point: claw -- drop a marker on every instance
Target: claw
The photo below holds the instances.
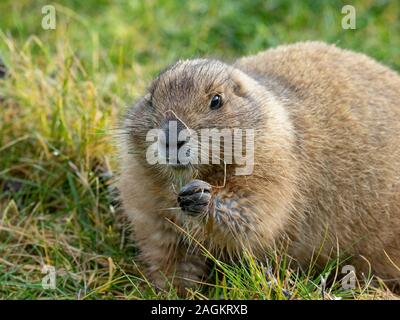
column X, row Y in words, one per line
column 195, row 186
column 195, row 197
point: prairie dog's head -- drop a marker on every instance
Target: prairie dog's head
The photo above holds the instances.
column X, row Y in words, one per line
column 171, row 120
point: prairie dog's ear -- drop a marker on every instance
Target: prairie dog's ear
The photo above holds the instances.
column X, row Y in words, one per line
column 240, row 82
column 147, row 97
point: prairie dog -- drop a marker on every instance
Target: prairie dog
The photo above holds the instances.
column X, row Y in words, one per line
column 326, row 175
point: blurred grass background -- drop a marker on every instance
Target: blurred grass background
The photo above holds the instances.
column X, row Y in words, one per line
column 63, row 95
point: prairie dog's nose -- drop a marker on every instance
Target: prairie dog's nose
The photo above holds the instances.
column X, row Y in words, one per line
column 171, row 129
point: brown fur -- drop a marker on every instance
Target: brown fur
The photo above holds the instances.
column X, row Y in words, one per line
column 327, row 162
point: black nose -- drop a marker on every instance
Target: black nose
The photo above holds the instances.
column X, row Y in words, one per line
column 179, row 144
column 172, row 128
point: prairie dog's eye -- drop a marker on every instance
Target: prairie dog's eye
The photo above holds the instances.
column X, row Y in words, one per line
column 216, row 102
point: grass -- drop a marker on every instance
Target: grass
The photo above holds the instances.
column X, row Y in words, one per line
column 64, row 93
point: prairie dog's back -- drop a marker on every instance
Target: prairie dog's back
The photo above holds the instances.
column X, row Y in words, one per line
column 345, row 108
column 318, row 73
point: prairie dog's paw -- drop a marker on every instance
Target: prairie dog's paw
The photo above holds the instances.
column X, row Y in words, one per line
column 195, row 197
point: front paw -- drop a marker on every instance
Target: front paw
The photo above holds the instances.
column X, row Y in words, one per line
column 195, row 197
